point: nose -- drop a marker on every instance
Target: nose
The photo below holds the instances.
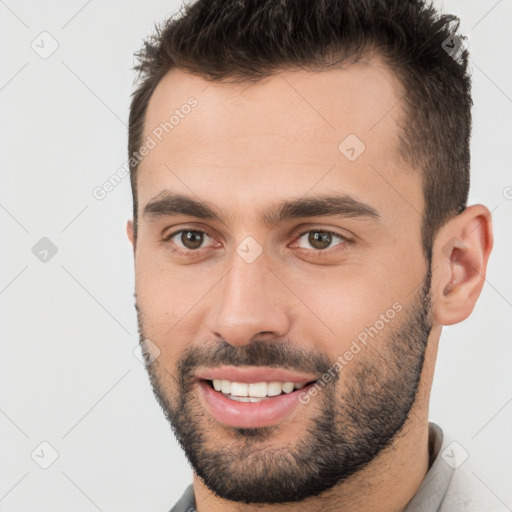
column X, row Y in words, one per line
column 251, row 303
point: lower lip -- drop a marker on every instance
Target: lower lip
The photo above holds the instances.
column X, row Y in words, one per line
column 250, row 414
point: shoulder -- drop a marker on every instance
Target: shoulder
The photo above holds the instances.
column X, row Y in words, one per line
column 187, row 501
column 451, row 484
column 468, row 492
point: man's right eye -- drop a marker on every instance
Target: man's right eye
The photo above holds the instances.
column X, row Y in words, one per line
column 187, row 240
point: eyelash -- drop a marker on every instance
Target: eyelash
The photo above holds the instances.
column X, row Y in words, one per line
column 313, row 252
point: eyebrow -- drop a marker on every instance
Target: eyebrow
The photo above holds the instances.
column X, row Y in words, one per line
column 168, row 204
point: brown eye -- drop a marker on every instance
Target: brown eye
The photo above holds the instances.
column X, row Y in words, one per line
column 185, row 240
column 320, row 239
column 192, row 239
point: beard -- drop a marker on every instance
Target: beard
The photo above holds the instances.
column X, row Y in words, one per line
column 348, row 429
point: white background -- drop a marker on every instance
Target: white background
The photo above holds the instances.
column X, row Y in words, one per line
column 68, row 372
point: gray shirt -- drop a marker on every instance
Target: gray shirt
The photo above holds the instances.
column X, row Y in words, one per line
column 447, row 486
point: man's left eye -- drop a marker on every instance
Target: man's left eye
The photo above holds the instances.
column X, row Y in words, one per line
column 321, row 239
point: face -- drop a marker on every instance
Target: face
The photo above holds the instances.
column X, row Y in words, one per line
column 275, row 256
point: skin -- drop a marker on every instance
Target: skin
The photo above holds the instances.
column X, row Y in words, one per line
column 245, row 147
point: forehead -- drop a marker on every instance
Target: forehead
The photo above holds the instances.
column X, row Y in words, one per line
column 282, row 136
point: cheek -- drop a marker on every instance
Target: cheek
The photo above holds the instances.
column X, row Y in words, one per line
column 161, row 324
column 167, row 301
column 163, row 292
column 357, row 305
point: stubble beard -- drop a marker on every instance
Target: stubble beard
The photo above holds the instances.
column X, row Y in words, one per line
column 346, row 432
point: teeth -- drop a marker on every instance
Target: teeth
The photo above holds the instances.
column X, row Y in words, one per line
column 288, row 387
column 240, row 389
column 247, row 398
column 257, row 389
column 274, row 388
column 244, row 392
column 225, row 386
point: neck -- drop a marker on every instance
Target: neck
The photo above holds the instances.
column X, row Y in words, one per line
column 387, row 484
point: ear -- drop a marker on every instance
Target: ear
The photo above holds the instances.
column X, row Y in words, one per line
column 459, row 261
column 129, row 232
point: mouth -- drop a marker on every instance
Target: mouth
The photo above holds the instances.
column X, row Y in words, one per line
column 254, row 392
column 251, row 404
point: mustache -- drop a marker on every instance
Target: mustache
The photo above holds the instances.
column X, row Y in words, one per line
column 282, row 354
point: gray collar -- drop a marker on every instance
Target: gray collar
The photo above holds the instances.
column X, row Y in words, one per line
column 430, row 495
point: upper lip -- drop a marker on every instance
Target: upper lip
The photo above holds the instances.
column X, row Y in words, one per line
column 254, row 374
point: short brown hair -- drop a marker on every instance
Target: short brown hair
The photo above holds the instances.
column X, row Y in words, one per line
column 247, row 40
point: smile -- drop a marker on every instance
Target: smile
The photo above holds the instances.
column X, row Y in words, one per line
column 250, row 405
column 254, row 392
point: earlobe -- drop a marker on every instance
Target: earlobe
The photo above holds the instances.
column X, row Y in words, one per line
column 460, row 257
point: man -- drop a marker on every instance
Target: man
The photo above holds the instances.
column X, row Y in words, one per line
column 300, row 173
